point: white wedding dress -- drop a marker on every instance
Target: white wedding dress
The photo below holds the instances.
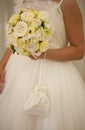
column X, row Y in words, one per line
column 66, row 89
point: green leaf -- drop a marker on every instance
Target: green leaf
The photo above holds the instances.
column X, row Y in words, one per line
column 43, row 24
column 12, row 48
column 21, row 12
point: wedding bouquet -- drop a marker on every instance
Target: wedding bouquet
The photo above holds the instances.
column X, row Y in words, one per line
column 29, row 32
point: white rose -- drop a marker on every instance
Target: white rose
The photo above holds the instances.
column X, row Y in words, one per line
column 10, row 39
column 38, row 35
column 24, row 38
column 27, row 16
column 20, row 29
column 32, row 47
column 36, row 23
column 30, row 36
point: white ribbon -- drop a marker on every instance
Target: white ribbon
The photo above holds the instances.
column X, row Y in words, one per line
column 38, row 103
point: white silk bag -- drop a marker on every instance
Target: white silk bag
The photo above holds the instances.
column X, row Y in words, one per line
column 38, row 103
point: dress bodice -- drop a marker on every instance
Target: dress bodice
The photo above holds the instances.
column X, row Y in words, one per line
column 55, row 17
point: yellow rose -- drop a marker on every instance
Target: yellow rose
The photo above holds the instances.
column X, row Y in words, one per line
column 14, row 19
column 35, row 12
column 19, row 43
column 26, row 53
column 43, row 46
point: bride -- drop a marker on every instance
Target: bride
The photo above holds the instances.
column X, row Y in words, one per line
column 60, row 104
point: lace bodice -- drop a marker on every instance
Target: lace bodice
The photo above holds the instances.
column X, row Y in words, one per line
column 55, row 17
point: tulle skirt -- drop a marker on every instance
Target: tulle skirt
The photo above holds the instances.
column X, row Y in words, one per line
column 66, row 91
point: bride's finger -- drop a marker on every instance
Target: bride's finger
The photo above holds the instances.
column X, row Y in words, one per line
column 33, row 58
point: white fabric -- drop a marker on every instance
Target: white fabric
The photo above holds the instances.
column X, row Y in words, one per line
column 18, row 5
column 66, row 89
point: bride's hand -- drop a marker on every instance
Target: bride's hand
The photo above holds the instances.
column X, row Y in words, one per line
column 2, row 77
column 39, row 57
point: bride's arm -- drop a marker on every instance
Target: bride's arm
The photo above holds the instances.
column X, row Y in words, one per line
column 5, row 58
column 3, row 63
column 74, row 30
